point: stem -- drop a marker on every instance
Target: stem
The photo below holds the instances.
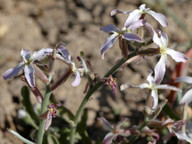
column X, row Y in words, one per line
column 91, row 91
column 43, row 110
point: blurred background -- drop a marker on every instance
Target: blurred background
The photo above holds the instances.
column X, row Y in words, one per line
column 37, row 24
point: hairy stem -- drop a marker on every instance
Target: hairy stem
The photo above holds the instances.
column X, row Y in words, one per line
column 43, row 110
column 91, row 91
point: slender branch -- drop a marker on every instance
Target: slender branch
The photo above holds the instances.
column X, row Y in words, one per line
column 91, row 91
column 43, row 110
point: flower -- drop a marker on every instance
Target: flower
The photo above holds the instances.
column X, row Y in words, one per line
column 114, row 131
column 162, row 42
column 66, row 57
column 125, row 33
column 112, row 83
column 175, row 128
column 154, row 88
column 27, row 65
column 137, row 14
column 49, row 114
column 187, row 98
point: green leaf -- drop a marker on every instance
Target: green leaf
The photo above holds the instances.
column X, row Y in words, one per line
column 27, row 104
column 20, row 137
column 169, row 111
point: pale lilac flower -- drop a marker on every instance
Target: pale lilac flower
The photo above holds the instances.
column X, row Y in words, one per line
column 162, row 42
column 114, row 131
column 27, row 65
column 137, row 14
column 175, row 128
column 66, row 57
column 125, row 33
column 154, row 88
column 49, row 114
column 187, row 98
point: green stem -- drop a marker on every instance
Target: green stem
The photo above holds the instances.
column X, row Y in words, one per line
column 91, row 91
column 43, row 110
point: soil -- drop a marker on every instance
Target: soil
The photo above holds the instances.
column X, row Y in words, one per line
column 40, row 24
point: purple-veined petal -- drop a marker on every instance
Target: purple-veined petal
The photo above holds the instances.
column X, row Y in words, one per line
column 182, row 136
column 64, row 52
column 137, row 24
column 160, row 69
column 159, row 17
column 156, row 39
column 131, row 36
column 186, row 79
column 106, row 124
column 133, row 17
column 150, row 28
column 29, row 75
column 143, row 85
column 177, row 56
column 77, row 80
column 48, row 121
column 41, row 53
column 108, row 139
column 154, row 94
column 13, row 71
column 116, row 11
column 119, row 124
column 108, row 44
column 187, row 98
column 110, row 28
column 25, row 55
column 168, row 87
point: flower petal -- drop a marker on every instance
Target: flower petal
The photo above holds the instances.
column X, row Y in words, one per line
column 13, row 71
column 119, row 124
column 110, row 28
column 137, row 24
column 168, row 87
column 25, row 55
column 116, row 11
column 131, row 36
column 41, row 53
column 106, row 124
column 108, row 44
column 77, row 80
column 186, row 79
column 109, row 138
column 182, row 136
column 133, row 17
column 160, row 69
column 154, row 94
column 64, row 52
column 150, row 79
column 177, row 56
column 29, row 75
column 187, row 98
column 159, row 17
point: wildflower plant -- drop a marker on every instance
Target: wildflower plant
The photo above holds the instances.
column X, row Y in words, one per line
column 42, row 63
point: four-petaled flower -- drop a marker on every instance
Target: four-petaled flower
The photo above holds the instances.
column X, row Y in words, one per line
column 175, row 128
column 125, row 33
column 49, row 114
column 115, row 131
column 137, row 14
column 27, row 65
column 66, row 57
column 154, row 88
column 162, row 42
